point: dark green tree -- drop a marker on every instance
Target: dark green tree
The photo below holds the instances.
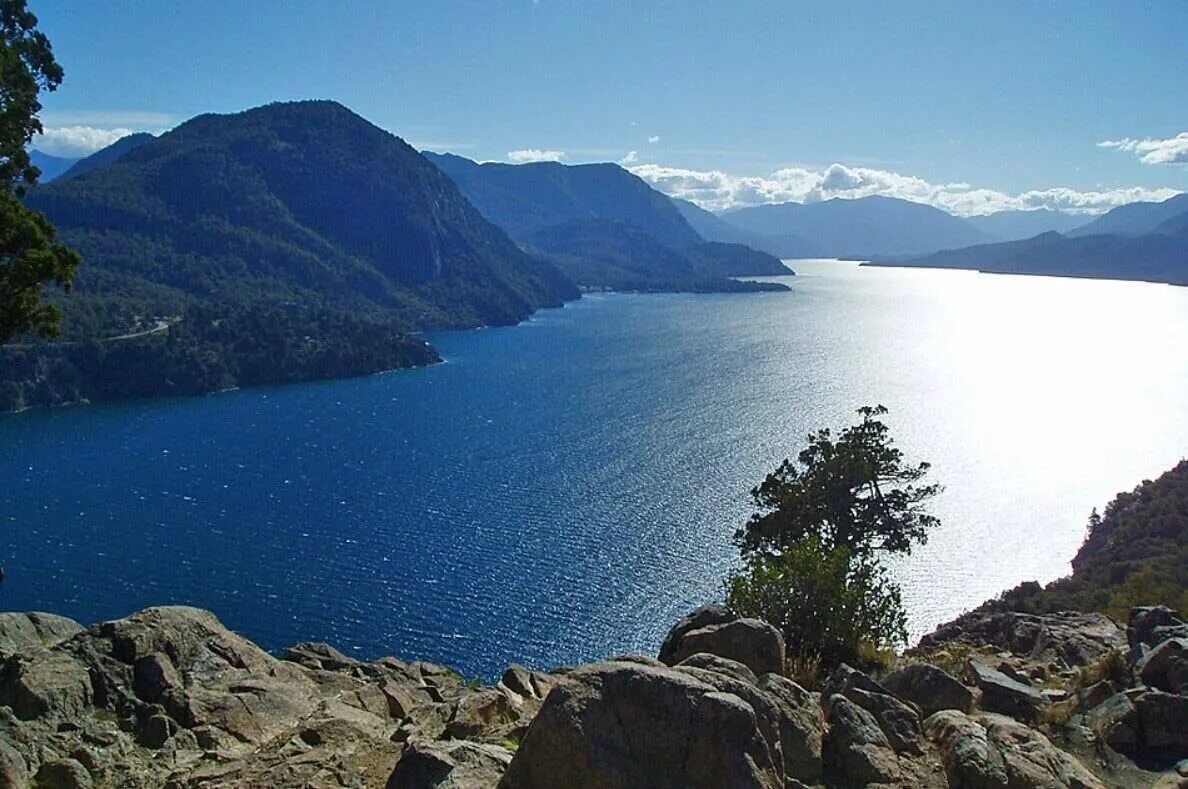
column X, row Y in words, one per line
column 854, row 491
column 811, row 554
column 30, row 257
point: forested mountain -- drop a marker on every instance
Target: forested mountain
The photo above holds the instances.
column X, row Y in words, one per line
column 1015, row 225
column 304, row 212
column 1135, row 218
column 712, row 227
column 1154, row 257
column 604, row 227
column 601, row 253
column 860, row 227
column 109, row 154
column 524, row 198
column 51, row 166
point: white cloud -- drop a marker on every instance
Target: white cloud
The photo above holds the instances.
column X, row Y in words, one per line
column 654, row 138
column 1173, row 150
column 76, row 141
column 717, row 190
column 632, row 157
column 525, row 155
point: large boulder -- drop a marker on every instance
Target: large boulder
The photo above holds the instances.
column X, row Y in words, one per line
column 624, row 724
column 1165, row 666
column 995, row 752
column 1002, row 694
column 1067, row 638
column 1149, row 726
column 857, row 749
column 929, row 688
column 449, row 764
column 714, row 630
column 1152, row 625
column 33, row 631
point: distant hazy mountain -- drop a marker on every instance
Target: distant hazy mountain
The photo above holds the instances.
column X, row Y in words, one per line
column 712, row 227
column 1135, row 218
column 861, row 227
column 603, row 226
column 1014, row 225
column 51, row 166
column 1153, row 257
column 524, row 198
column 286, row 242
column 605, row 254
column 109, row 154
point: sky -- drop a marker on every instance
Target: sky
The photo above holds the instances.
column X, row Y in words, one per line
column 973, row 107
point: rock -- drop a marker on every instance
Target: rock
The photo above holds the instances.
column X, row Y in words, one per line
column 929, row 688
column 623, row 724
column 1147, row 726
column 153, row 676
column 481, row 712
column 157, row 730
column 45, row 685
column 730, row 668
column 33, row 631
column 1165, row 666
column 899, row 722
column 63, row 774
column 449, row 764
column 1002, row 694
column 755, row 644
column 318, row 656
column 1095, row 694
column 845, row 677
column 992, row 751
column 14, row 773
column 1065, row 638
column 856, row 748
column 712, row 614
column 1150, row 625
column 801, row 727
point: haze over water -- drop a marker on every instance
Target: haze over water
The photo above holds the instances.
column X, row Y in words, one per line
column 563, row 490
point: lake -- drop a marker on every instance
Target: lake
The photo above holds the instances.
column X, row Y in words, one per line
column 563, row 490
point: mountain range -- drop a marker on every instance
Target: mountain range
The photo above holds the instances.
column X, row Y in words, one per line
column 1140, row 241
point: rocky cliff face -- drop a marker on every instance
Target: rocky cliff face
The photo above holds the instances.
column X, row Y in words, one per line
column 169, row 697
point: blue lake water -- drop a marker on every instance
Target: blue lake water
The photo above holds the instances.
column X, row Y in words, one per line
column 565, row 489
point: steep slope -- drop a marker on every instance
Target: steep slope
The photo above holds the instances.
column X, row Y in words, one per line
column 712, row 227
column 525, row 198
column 51, row 166
column 1154, row 257
column 303, row 200
column 109, row 154
column 603, row 254
column 1134, row 218
column 860, row 227
column 287, row 242
column 1015, row 225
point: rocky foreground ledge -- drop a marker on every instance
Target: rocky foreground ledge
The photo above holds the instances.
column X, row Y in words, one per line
column 169, row 697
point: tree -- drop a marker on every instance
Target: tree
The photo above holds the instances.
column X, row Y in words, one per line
column 30, row 257
column 811, row 553
column 855, row 491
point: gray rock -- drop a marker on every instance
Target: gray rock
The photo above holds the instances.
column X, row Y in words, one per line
column 318, row 656
column 1065, row 638
column 1149, row 625
column 801, row 727
column 755, row 644
column 899, row 722
column 480, row 712
column 995, row 752
column 154, row 676
column 34, row 631
column 730, row 668
column 845, row 677
column 449, row 764
column 1165, row 666
column 1002, row 694
column 712, row 614
column 1145, row 725
column 63, row 774
column 46, row 684
column 856, row 747
column 623, row 724
column 929, row 688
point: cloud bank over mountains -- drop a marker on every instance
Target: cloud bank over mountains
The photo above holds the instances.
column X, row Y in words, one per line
column 526, row 155
column 76, row 141
column 716, row 190
column 1173, row 150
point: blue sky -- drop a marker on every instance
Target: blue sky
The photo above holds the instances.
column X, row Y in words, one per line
column 968, row 106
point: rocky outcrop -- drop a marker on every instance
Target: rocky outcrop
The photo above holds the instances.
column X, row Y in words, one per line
column 1065, row 639
column 170, row 697
column 931, row 689
column 712, row 629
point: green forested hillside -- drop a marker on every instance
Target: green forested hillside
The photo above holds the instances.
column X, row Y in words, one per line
column 259, row 221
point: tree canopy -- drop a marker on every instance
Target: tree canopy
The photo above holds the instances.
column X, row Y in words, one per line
column 811, row 553
column 852, row 491
column 30, row 257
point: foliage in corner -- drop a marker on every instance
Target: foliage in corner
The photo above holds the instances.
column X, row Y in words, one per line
column 30, row 257
column 811, row 554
